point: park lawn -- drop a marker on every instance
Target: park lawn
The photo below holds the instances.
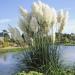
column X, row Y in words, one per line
column 10, row 49
column 69, row 44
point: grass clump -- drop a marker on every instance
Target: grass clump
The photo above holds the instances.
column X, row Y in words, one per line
column 43, row 57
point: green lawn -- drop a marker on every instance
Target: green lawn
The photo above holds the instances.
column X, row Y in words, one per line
column 10, row 49
column 69, row 44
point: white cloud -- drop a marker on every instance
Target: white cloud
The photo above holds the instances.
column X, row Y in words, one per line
column 2, row 21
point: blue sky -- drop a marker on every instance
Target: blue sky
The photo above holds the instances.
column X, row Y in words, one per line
column 9, row 11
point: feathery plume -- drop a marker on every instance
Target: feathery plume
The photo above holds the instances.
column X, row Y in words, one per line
column 23, row 11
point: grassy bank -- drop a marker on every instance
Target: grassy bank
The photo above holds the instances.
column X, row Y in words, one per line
column 10, row 49
column 69, row 44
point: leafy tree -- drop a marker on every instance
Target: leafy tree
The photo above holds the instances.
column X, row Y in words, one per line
column 6, row 38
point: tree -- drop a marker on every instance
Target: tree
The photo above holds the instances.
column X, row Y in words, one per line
column 6, row 38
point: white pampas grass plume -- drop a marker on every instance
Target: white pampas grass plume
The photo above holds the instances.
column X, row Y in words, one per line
column 11, row 30
column 47, row 11
column 66, row 16
column 60, row 15
column 54, row 18
column 42, row 19
column 34, row 24
column 15, row 34
column 23, row 11
column 63, row 21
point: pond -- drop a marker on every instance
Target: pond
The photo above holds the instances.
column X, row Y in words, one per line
column 9, row 61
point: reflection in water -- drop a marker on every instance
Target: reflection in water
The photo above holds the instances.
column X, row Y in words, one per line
column 8, row 64
column 6, row 59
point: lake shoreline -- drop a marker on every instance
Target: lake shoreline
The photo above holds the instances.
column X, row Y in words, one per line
column 15, row 49
column 11, row 49
column 68, row 44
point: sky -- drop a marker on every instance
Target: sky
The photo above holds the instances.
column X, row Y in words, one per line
column 9, row 11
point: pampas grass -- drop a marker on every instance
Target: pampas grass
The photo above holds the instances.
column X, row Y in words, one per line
column 36, row 24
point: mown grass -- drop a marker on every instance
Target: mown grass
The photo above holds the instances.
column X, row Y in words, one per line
column 11, row 49
column 69, row 44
